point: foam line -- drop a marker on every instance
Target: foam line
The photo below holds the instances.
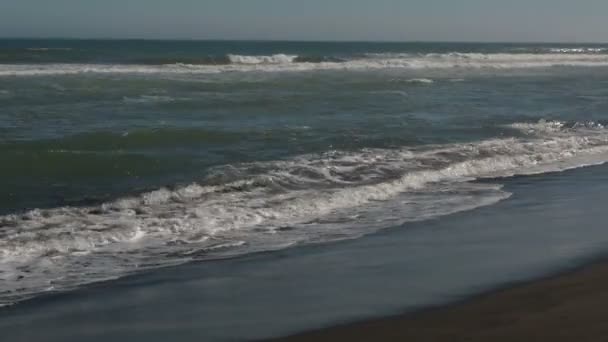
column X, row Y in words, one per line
column 268, row 205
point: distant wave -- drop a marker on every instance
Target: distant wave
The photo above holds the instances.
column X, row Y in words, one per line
column 420, row 81
column 239, row 60
column 284, row 62
column 274, row 59
column 579, row 50
column 200, row 60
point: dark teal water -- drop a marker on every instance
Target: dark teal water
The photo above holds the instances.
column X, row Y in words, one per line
column 122, row 156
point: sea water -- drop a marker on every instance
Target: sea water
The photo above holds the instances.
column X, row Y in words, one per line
column 119, row 157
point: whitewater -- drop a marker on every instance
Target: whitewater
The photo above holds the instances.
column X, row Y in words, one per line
column 276, row 204
column 122, row 157
column 294, row 63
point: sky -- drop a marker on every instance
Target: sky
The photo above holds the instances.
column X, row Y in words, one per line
column 365, row 20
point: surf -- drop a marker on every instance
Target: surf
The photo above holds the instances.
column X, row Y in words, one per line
column 295, row 63
column 248, row 207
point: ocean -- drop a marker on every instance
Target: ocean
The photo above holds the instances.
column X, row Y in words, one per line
column 120, row 158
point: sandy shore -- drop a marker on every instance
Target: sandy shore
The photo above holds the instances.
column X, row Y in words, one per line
column 569, row 307
column 551, row 225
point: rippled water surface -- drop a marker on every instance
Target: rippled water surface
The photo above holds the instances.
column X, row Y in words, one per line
column 122, row 156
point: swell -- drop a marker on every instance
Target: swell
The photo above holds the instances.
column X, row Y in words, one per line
column 268, row 205
column 285, row 62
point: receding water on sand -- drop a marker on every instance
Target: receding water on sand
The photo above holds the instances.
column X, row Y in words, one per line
column 551, row 223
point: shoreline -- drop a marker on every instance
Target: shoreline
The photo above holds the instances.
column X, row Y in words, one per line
column 567, row 306
column 427, row 268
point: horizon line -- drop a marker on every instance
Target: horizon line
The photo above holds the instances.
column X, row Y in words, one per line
column 300, row 40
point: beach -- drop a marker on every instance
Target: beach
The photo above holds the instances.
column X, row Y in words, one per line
column 230, row 190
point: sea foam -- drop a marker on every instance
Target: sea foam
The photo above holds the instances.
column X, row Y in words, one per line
column 274, row 59
column 292, row 63
column 268, row 205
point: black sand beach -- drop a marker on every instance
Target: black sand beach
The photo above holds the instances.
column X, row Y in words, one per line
column 551, row 224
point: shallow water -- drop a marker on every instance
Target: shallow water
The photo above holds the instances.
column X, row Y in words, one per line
column 553, row 222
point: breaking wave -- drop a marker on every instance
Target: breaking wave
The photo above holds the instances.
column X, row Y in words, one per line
column 270, row 205
column 274, row 59
column 420, row 81
column 284, row 62
column 579, row 50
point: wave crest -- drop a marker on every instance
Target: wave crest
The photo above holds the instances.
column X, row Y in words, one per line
column 579, row 50
column 274, row 59
column 269, row 205
column 294, row 63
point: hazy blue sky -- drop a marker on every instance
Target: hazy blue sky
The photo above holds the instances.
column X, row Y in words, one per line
column 471, row 20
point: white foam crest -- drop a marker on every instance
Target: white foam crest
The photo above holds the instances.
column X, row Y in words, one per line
column 420, row 81
column 274, row 59
column 578, row 50
column 542, row 126
column 553, row 127
column 317, row 197
column 286, row 63
column 490, row 61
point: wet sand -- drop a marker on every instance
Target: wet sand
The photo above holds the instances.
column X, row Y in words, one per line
column 568, row 307
column 551, row 225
